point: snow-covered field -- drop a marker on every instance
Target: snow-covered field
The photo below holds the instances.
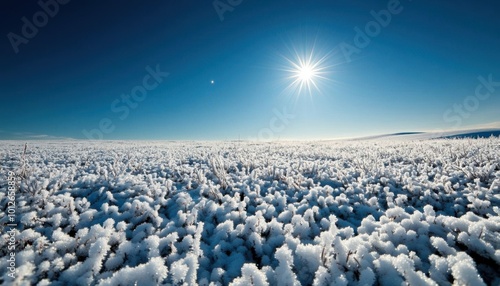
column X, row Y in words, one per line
column 285, row 213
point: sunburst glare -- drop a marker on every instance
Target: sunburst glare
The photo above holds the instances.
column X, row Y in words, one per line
column 305, row 71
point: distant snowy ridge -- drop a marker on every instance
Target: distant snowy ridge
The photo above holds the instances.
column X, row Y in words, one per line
column 469, row 133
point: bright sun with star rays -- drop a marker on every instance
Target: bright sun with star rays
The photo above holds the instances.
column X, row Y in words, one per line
column 306, row 71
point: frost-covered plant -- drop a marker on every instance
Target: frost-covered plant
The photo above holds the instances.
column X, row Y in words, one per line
column 219, row 170
column 24, row 168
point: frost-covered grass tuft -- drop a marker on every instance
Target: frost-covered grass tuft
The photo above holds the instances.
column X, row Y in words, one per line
column 289, row 213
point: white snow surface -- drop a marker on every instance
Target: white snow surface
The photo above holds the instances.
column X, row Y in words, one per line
column 373, row 212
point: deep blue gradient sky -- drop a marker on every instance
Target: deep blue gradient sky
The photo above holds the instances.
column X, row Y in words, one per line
column 415, row 75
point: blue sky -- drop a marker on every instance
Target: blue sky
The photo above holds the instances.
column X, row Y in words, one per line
column 418, row 72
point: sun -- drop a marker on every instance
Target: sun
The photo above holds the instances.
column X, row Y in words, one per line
column 305, row 71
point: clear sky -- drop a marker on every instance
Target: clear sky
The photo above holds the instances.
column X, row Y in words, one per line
column 388, row 67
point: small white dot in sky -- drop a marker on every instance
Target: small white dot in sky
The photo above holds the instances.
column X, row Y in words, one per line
column 212, row 81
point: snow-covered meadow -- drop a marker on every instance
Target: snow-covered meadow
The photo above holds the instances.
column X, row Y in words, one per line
column 284, row 213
